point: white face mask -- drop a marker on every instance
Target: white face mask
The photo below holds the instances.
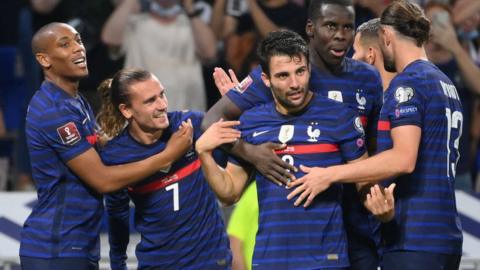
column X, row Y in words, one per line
column 165, row 11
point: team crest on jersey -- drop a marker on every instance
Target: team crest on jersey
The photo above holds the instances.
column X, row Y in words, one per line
column 404, row 94
column 335, row 95
column 361, row 100
column 69, row 133
column 313, row 134
column 244, row 84
column 358, row 125
column 286, row 133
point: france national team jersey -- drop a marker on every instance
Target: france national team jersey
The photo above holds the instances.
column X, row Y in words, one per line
column 426, row 217
column 65, row 222
column 360, row 87
column 176, row 212
column 292, row 237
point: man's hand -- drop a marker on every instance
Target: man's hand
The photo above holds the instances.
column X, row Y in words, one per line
column 310, row 185
column 268, row 163
column 223, row 81
column 218, row 133
column 381, row 204
column 181, row 140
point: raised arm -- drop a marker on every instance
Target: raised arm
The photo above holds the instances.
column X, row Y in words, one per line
column 227, row 184
column 113, row 30
column 104, row 179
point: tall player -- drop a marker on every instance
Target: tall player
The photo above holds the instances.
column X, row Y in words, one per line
column 176, row 213
column 420, row 127
column 330, row 29
column 291, row 237
column 63, row 230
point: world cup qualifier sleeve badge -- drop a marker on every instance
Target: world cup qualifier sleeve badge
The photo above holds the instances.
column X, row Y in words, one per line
column 69, row 133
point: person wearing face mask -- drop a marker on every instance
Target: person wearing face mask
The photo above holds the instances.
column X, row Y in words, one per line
column 168, row 34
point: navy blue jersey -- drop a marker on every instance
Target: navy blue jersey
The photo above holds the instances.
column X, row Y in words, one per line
column 292, row 237
column 65, row 222
column 426, row 216
column 360, row 87
column 176, row 213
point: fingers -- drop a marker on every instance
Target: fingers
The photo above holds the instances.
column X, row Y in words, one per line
column 233, row 77
column 305, row 169
column 302, row 196
column 296, row 191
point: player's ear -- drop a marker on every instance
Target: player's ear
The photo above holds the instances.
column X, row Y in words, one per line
column 266, row 79
column 371, row 55
column 310, row 28
column 43, row 60
column 125, row 111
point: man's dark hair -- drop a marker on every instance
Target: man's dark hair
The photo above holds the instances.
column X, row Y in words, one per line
column 369, row 30
column 315, row 7
column 280, row 43
column 407, row 19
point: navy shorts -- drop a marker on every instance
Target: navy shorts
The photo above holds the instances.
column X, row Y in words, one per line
column 414, row 260
column 30, row 263
column 363, row 254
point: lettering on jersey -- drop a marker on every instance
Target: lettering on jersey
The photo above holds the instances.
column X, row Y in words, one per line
column 313, row 134
column 244, row 84
column 404, row 94
column 361, row 100
column 450, row 90
column 335, row 95
column 358, row 125
column 69, row 133
column 405, row 110
column 286, row 133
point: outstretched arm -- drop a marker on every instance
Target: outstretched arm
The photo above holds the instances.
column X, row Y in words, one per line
column 104, row 179
column 398, row 160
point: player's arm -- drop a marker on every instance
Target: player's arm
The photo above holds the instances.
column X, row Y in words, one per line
column 227, row 184
column 261, row 156
column 118, row 228
column 104, row 179
column 398, row 160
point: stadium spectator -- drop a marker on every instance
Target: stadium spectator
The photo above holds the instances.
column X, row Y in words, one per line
column 171, row 39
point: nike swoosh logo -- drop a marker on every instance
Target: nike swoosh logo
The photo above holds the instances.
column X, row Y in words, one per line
column 255, row 134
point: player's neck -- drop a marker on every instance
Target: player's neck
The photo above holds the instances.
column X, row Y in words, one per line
column 144, row 136
column 69, row 86
column 323, row 67
column 406, row 53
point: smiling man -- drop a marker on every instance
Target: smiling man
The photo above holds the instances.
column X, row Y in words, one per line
column 291, row 237
column 63, row 230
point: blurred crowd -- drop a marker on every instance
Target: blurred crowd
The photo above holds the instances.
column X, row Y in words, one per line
column 181, row 41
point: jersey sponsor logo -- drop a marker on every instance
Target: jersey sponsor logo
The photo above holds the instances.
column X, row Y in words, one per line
column 361, row 100
column 244, row 84
column 358, row 125
column 406, row 110
column 258, row 133
column 335, row 95
column 313, row 134
column 286, row 133
column 69, row 133
column 404, row 94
